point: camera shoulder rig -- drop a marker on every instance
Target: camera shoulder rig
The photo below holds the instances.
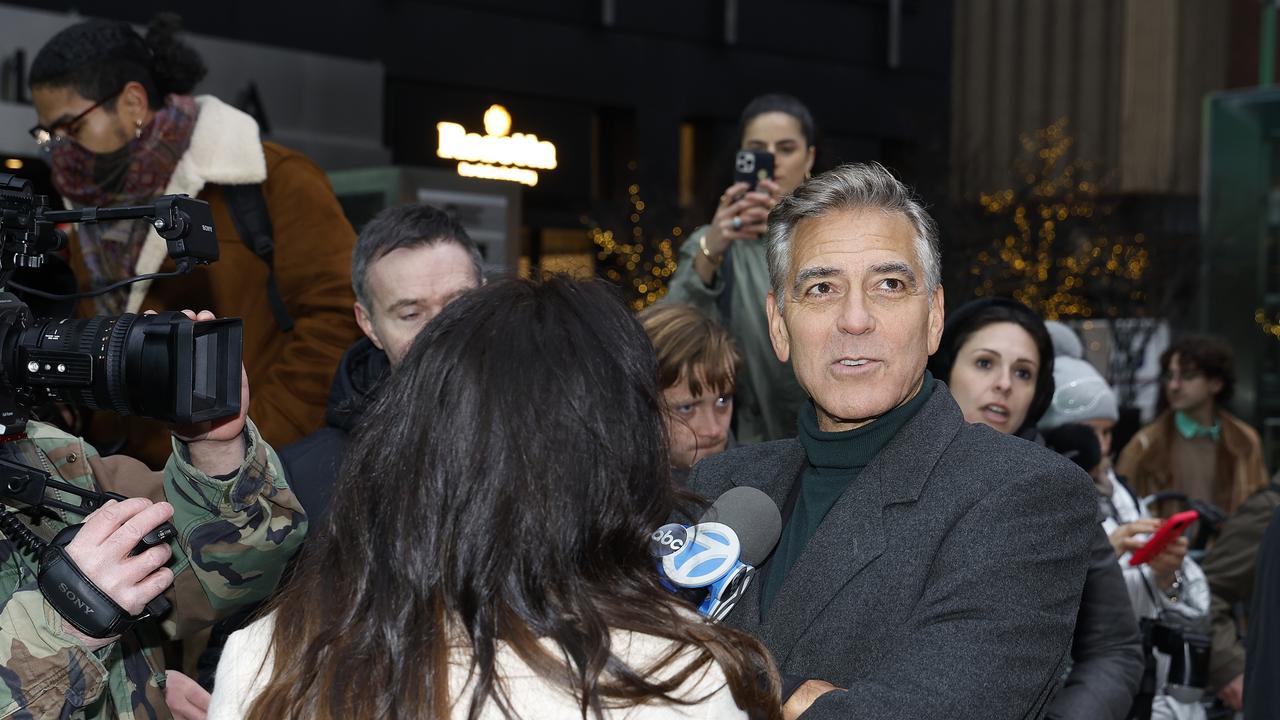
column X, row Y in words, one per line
column 67, row 589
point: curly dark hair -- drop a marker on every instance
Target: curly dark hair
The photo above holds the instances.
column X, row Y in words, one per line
column 99, row 57
column 1207, row 354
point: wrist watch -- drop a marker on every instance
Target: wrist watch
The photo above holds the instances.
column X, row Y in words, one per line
column 1175, row 588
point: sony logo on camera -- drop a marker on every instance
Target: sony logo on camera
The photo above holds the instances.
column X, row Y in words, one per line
column 75, row 599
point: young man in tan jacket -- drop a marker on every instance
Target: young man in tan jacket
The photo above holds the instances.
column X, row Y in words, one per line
column 1196, row 447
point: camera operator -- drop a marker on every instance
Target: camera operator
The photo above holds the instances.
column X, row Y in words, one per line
column 237, row 524
column 120, row 127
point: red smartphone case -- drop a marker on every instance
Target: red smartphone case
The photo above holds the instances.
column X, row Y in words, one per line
column 1166, row 534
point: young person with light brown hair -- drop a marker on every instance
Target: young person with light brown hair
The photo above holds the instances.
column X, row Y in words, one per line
column 697, row 369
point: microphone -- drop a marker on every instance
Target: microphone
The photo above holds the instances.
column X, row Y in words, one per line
column 719, row 555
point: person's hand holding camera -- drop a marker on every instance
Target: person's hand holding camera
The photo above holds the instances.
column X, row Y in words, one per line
column 217, row 446
column 101, row 550
column 741, row 215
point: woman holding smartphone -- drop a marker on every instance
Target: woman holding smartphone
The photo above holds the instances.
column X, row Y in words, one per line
column 722, row 269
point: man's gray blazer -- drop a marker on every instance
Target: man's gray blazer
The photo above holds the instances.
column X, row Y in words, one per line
column 944, row 583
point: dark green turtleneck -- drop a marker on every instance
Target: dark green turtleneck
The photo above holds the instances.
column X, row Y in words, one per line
column 833, row 460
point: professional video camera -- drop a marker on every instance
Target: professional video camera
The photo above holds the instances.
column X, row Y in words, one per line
column 163, row 366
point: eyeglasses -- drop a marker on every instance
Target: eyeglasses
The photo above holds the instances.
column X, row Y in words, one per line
column 1183, row 376
column 50, row 137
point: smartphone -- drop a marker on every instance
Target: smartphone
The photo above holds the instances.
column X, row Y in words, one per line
column 752, row 166
column 1170, row 531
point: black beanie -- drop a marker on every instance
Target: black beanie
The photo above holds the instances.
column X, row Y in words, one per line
column 1077, row 443
column 977, row 314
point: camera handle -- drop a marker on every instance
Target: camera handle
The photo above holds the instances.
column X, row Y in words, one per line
column 76, row 598
column 168, row 218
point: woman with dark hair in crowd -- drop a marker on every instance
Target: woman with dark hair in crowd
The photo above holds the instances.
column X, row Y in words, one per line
column 120, row 126
column 487, row 554
column 697, row 364
column 722, row 269
column 997, row 359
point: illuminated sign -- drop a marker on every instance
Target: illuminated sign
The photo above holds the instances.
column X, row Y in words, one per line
column 498, row 154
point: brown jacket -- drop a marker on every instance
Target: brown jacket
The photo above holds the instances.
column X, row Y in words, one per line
column 1145, row 461
column 289, row 373
column 1229, row 566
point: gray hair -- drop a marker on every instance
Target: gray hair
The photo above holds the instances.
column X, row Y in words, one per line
column 855, row 186
column 407, row 226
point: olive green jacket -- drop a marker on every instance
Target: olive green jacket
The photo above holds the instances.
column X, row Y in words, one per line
column 234, row 538
column 1229, row 566
column 768, row 398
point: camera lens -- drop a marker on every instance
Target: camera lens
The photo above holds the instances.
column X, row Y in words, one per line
column 162, row 366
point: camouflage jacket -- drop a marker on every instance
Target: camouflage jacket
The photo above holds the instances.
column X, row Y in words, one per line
column 235, row 537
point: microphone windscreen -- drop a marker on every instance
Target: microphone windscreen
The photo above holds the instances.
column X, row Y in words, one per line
column 753, row 516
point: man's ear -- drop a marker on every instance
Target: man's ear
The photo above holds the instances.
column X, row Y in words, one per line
column 132, row 104
column 937, row 307
column 365, row 321
column 1215, row 387
column 778, row 334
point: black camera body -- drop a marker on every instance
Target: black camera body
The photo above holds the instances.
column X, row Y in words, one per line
column 163, row 366
column 1188, row 652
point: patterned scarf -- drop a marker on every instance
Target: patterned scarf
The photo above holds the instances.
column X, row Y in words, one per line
column 134, row 175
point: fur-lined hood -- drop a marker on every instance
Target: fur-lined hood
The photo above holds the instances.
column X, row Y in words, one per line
column 225, row 149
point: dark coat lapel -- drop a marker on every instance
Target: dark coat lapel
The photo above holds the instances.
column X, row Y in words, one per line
column 776, row 481
column 852, row 534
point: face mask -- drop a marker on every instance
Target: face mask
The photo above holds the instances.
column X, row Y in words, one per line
column 136, row 172
column 87, row 177
column 111, row 169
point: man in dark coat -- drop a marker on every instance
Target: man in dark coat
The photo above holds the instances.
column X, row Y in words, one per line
column 927, row 567
column 1262, row 647
column 316, row 459
column 409, row 262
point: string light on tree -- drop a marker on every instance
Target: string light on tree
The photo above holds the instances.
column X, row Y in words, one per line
column 1055, row 253
column 1268, row 326
column 640, row 263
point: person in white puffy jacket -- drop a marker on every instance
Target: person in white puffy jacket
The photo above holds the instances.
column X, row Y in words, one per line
column 1172, row 586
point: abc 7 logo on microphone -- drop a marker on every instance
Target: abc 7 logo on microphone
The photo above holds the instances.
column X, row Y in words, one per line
column 697, row 556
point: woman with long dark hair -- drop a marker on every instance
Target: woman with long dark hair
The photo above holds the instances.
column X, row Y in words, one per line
column 487, row 553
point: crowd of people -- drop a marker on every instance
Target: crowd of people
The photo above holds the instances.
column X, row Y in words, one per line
column 461, row 528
